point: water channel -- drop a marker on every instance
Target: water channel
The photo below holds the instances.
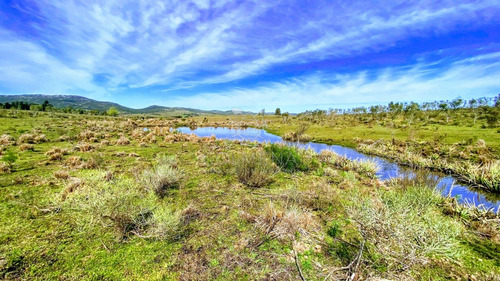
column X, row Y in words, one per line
column 447, row 184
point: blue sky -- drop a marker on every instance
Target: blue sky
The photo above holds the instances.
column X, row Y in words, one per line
column 250, row 55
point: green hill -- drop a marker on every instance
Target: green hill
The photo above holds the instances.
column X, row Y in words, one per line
column 79, row 102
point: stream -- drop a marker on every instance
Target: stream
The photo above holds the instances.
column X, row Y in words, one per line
column 388, row 169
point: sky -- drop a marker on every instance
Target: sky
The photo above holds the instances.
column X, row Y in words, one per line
column 251, row 55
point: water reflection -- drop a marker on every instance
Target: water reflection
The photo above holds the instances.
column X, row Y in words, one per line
column 388, row 169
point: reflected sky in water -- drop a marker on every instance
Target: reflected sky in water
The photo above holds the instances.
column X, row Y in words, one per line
column 388, row 169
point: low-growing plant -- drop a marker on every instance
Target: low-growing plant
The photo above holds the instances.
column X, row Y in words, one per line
column 123, row 141
column 9, row 158
column 26, row 138
column 6, row 139
column 286, row 157
column 254, row 168
column 61, row 174
column 26, row 147
column 403, row 227
column 121, row 205
column 4, row 168
column 160, row 179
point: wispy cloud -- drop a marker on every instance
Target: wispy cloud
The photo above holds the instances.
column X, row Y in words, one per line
column 463, row 78
column 109, row 48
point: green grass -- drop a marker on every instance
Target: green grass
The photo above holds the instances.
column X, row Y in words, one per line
column 105, row 222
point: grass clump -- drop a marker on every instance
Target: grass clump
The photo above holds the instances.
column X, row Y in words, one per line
column 288, row 158
column 486, row 175
column 365, row 167
column 4, row 168
column 404, row 228
column 6, row 139
column 121, row 206
column 161, row 178
column 254, row 168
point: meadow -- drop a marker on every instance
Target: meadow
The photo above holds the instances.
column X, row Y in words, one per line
column 86, row 197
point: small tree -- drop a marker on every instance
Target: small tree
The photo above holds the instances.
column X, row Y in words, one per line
column 112, row 111
column 278, row 111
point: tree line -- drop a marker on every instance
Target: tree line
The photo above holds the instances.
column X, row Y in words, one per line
column 487, row 108
column 46, row 106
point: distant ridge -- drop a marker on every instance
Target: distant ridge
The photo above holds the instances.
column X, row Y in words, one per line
column 79, row 102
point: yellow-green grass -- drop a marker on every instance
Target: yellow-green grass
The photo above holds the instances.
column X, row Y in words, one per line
column 227, row 229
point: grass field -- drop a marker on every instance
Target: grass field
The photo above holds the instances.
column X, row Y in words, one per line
column 93, row 198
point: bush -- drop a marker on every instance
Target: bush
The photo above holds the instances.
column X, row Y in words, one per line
column 254, row 168
column 287, row 158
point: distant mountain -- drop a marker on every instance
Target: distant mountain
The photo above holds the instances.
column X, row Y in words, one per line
column 78, row 102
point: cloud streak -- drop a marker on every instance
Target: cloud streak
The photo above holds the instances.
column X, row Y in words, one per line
column 463, row 78
column 110, row 49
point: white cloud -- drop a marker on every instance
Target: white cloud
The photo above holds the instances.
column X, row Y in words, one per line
column 344, row 91
column 184, row 44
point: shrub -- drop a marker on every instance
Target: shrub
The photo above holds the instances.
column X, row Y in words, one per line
column 254, row 168
column 286, row 157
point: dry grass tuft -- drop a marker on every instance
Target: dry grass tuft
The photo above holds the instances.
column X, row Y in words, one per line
column 56, row 153
column 6, row 139
column 26, row 138
column 61, row 174
column 86, row 135
column 57, row 150
column 26, row 146
column 285, row 224
column 73, row 161
column 4, row 168
column 40, row 138
column 73, row 184
column 84, row 147
column 123, row 141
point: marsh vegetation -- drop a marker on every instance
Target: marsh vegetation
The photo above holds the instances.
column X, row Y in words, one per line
column 98, row 197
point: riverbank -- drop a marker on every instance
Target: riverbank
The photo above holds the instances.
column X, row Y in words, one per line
column 101, row 198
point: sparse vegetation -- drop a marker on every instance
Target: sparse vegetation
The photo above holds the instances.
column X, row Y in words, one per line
column 183, row 207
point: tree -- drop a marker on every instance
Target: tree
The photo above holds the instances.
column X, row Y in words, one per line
column 278, row 111
column 112, row 111
column 45, row 104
